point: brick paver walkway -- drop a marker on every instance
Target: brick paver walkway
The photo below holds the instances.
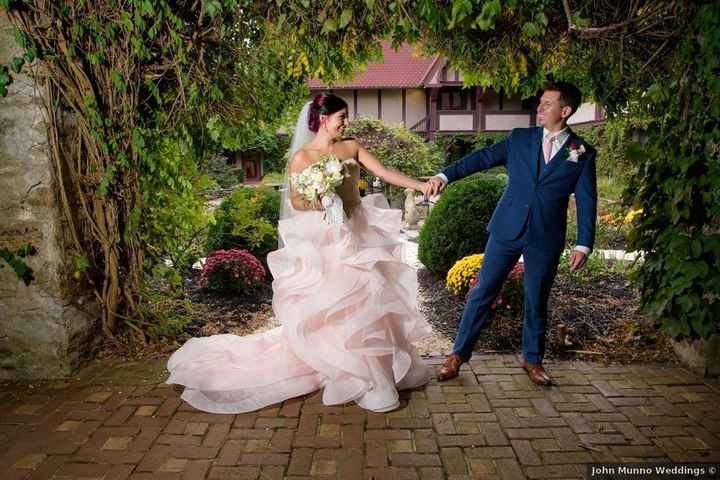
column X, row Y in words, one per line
column 119, row 421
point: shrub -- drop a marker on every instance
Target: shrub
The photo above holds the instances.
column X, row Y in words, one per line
column 612, row 140
column 273, row 177
column 399, row 148
column 455, row 146
column 174, row 221
column 456, row 226
column 167, row 311
column 246, row 219
column 462, row 273
column 233, row 270
column 485, row 139
column 225, row 175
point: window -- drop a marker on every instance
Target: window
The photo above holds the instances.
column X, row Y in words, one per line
column 457, row 99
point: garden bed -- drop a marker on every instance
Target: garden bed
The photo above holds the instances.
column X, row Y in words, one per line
column 592, row 319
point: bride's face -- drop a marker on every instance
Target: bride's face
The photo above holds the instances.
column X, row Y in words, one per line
column 335, row 123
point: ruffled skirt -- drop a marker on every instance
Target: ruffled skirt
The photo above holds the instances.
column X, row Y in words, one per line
column 347, row 306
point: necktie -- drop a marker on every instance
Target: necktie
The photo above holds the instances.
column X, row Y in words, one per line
column 547, row 147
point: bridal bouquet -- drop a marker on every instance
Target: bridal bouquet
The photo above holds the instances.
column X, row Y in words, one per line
column 319, row 180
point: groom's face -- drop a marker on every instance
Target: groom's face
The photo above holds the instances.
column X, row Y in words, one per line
column 551, row 112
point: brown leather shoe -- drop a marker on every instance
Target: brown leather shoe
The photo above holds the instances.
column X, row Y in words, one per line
column 450, row 367
column 537, row 373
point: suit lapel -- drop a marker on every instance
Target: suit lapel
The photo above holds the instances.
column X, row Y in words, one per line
column 535, row 146
column 559, row 157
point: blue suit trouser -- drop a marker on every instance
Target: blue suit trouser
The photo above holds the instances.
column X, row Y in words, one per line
column 500, row 257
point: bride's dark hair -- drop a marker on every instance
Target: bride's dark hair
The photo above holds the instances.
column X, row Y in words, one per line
column 324, row 103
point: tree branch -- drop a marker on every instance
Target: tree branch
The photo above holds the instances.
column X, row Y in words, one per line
column 599, row 32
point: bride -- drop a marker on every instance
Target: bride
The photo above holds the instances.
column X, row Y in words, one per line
column 344, row 298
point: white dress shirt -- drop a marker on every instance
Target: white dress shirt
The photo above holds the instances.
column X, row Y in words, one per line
column 558, row 141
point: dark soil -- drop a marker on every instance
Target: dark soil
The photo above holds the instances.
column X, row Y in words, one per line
column 592, row 320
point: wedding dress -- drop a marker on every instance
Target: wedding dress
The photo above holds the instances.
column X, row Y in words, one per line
column 347, row 306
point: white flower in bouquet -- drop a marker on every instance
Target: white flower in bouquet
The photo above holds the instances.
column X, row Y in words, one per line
column 333, row 168
column 319, row 178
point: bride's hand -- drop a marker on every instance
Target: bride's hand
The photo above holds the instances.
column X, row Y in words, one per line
column 315, row 204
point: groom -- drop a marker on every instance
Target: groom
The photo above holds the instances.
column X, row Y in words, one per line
column 545, row 165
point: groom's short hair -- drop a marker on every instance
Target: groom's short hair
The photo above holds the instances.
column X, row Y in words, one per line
column 569, row 94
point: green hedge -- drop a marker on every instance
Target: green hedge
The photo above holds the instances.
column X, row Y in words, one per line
column 456, row 226
column 247, row 219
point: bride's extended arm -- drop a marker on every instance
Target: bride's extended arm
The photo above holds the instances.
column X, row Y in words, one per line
column 387, row 174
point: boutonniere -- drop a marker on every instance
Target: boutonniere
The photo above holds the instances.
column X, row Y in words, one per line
column 574, row 152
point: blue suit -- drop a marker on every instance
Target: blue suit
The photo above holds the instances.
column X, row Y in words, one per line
column 530, row 219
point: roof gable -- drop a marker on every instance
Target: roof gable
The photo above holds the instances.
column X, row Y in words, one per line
column 399, row 69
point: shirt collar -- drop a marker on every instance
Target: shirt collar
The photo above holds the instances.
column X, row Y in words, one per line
column 559, row 137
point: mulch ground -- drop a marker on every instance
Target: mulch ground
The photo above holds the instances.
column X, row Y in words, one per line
column 593, row 320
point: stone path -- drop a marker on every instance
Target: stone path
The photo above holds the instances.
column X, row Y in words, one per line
column 120, row 421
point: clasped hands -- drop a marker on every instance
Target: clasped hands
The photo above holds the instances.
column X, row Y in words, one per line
column 433, row 187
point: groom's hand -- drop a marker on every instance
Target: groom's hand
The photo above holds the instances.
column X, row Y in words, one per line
column 435, row 186
column 577, row 260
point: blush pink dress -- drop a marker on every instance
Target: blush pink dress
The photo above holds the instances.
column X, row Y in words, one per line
column 347, row 306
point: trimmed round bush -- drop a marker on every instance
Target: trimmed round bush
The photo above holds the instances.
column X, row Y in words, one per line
column 234, row 270
column 456, row 226
column 247, row 219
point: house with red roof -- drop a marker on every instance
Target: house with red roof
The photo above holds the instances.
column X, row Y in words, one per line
column 427, row 96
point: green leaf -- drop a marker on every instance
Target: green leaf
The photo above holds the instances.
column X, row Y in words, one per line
column 26, row 250
column 460, row 10
column 531, row 30
column 542, row 19
column 212, row 7
column 17, row 64
column 118, row 81
column 345, row 18
column 490, row 10
column 329, row 26
column 5, row 80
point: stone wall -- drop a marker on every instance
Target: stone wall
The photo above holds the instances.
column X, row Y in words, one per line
column 42, row 335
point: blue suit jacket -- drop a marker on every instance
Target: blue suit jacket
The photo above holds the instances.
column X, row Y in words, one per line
column 542, row 199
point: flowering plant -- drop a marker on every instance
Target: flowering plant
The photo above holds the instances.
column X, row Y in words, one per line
column 574, row 151
column 460, row 276
column 234, row 270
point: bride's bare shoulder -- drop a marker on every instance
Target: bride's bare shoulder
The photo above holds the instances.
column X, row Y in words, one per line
column 300, row 160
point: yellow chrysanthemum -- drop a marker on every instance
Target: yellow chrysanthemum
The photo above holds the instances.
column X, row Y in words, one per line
column 631, row 215
column 464, row 270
